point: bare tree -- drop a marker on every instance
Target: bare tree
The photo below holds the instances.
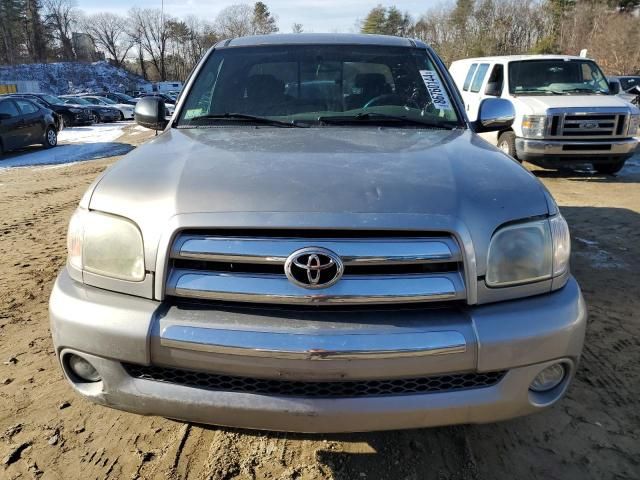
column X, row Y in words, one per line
column 235, row 21
column 152, row 31
column 109, row 32
column 59, row 17
column 297, row 28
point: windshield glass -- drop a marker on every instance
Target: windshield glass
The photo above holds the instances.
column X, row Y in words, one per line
column 556, row 77
column 78, row 101
column 306, row 83
column 105, row 100
column 124, row 97
column 52, row 100
column 629, row 82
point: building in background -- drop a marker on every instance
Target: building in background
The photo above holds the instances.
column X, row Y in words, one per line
column 19, row 86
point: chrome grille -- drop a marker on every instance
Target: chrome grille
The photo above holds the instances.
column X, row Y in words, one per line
column 588, row 125
column 343, row 389
column 377, row 269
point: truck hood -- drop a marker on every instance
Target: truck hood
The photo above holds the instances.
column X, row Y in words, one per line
column 538, row 105
column 358, row 177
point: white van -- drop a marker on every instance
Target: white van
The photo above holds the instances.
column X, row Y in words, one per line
column 566, row 113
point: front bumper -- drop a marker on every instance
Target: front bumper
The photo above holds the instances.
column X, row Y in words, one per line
column 521, row 336
column 574, row 150
column 82, row 119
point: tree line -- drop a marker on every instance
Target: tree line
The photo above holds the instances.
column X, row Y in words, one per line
column 160, row 46
column 150, row 42
column 609, row 30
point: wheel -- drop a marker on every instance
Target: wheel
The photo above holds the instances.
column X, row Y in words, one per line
column 98, row 118
column 50, row 138
column 507, row 143
column 609, row 168
column 121, row 116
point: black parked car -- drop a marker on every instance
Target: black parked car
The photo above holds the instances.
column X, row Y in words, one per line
column 72, row 114
column 119, row 97
column 100, row 113
column 23, row 123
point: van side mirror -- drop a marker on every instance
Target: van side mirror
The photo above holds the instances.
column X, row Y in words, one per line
column 494, row 89
column 494, row 114
column 614, row 87
column 150, row 112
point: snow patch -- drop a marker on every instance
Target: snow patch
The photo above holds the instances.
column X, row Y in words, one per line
column 75, row 144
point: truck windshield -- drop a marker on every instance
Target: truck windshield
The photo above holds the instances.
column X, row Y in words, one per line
column 627, row 83
column 556, row 77
column 319, row 85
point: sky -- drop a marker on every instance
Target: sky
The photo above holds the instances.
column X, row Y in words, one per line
column 315, row 15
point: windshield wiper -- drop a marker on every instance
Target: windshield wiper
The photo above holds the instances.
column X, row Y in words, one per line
column 373, row 116
column 585, row 90
column 245, row 117
column 538, row 90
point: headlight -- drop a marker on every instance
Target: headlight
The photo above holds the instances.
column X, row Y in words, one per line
column 75, row 110
column 533, row 126
column 634, row 124
column 106, row 245
column 528, row 252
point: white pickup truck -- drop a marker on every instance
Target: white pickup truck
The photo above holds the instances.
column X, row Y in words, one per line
column 566, row 112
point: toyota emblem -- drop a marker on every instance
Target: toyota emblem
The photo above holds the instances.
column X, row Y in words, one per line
column 313, row 267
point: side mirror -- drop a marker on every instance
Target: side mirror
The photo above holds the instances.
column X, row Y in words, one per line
column 494, row 114
column 614, row 87
column 150, row 112
column 494, row 89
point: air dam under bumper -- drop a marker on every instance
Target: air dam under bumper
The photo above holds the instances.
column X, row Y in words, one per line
column 521, row 337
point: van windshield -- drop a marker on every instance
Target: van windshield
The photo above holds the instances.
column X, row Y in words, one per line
column 318, row 85
column 556, row 77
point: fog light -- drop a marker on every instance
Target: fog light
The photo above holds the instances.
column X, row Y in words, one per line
column 83, row 369
column 549, row 378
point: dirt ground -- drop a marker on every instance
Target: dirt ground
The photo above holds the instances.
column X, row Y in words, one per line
column 48, row 432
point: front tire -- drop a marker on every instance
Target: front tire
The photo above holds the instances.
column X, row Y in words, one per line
column 609, row 168
column 121, row 116
column 50, row 138
column 507, row 143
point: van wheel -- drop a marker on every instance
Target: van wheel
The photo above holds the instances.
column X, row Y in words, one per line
column 609, row 168
column 50, row 138
column 507, row 143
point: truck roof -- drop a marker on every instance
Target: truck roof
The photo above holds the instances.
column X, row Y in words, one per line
column 320, row 39
column 510, row 58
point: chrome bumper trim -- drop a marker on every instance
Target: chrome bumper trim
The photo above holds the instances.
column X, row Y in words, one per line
column 310, row 346
column 349, row 290
column 555, row 147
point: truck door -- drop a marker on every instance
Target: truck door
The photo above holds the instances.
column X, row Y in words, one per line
column 11, row 125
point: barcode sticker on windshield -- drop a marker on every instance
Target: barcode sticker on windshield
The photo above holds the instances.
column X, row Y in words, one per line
column 436, row 91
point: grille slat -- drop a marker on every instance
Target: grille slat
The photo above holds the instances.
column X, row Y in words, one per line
column 588, row 125
column 376, row 269
column 329, row 389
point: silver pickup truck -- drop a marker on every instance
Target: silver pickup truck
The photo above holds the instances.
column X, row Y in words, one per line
column 319, row 241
